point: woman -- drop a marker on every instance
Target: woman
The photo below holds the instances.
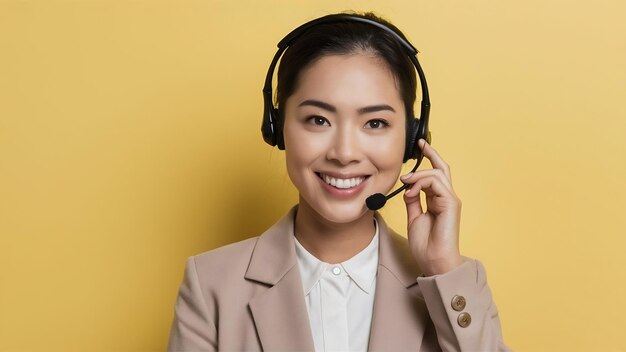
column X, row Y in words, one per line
column 330, row 275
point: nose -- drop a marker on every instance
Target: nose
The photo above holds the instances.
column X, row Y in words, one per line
column 345, row 147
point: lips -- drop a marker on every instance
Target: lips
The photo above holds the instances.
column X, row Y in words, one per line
column 342, row 182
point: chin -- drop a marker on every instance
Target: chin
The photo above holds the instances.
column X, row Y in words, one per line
column 347, row 214
column 343, row 212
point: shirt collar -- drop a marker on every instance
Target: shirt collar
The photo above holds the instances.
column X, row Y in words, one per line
column 361, row 268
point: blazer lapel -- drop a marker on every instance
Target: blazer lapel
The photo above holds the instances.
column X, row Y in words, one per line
column 279, row 312
column 398, row 321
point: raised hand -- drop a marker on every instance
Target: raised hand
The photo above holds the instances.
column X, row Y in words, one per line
column 434, row 233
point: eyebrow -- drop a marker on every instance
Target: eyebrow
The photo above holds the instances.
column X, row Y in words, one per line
column 363, row 110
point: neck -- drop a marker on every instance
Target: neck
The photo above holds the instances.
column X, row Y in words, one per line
column 332, row 242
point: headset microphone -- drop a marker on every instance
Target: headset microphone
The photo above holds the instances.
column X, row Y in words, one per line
column 378, row 200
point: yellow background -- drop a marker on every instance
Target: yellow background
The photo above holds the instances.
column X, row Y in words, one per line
column 129, row 140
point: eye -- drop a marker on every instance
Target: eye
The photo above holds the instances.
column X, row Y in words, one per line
column 318, row 121
column 376, row 123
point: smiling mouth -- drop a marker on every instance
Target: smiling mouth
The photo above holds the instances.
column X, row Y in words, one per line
column 342, row 183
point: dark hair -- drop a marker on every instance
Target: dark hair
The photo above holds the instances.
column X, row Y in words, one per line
column 343, row 38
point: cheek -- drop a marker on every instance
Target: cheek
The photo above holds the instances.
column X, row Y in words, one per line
column 301, row 145
column 301, row 150
column 294, row 165
column 388, row 152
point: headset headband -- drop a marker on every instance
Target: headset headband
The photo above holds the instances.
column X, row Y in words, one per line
column 272, row 133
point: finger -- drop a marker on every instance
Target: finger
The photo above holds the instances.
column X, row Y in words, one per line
column 413, row 207
column 432, row 186
column 411, row 178
column 435, row 159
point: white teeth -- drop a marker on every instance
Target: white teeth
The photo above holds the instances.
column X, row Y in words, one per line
column 343, row 183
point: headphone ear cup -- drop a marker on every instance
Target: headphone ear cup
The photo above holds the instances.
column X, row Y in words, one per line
column 271, row 128
column 411, row 149
column 268, row 129
column 278, row 130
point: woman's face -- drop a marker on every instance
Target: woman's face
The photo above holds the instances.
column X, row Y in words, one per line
column 344, row 134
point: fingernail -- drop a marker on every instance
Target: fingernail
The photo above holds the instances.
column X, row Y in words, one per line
column 407, row 176
column 421, row 143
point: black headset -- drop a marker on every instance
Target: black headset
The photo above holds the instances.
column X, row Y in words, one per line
column 271, row 127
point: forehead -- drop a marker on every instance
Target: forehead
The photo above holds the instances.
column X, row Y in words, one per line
column 349, row 80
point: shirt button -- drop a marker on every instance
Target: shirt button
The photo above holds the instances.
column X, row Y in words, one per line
column 458, row 303
column 464, row 320
column 336, row 270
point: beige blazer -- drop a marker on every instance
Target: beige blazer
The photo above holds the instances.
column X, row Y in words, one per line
column 248, row 296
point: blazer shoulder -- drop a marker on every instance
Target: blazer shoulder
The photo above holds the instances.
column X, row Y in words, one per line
column 229, row 260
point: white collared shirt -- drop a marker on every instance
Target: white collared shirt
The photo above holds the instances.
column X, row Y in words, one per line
column 340, row 297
